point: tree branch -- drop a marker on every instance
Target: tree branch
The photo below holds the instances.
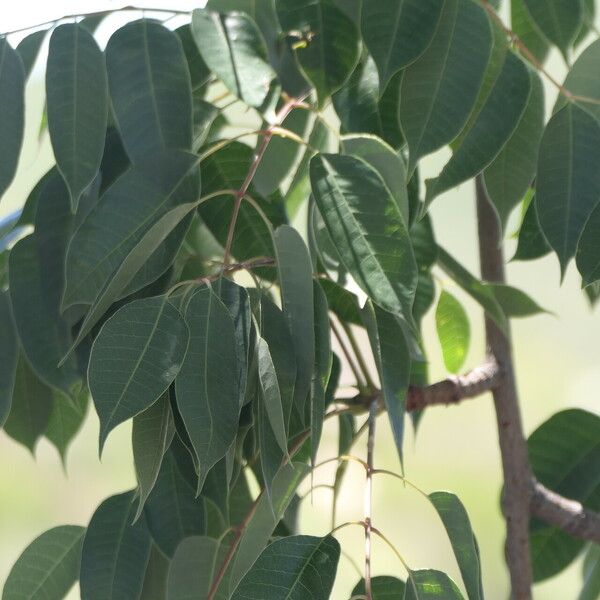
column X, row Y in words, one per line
column 513, row 447
column 568, row 515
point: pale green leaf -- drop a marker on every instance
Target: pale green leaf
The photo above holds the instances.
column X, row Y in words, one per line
column 292, row 567
column 440, row 89
column 453, row 331
column 134, row 359
column 151, row 435
column 207, row 388
column 429, row 584
column 234, row 49
column 12, row 115
column 367, row 229
column 49, row 566
column 115, row 552
column 568, row 178
column 150, row 88
column 397, row 32
column 77, row 105
column 514, row 302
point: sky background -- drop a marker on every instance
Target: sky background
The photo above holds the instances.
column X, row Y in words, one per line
column 456, row 449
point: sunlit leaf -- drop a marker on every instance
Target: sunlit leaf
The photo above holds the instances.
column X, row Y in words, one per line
column 453, row 331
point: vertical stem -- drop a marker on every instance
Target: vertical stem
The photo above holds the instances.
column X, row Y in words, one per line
column 369, row 498
column 513, row 447
column 359, row 357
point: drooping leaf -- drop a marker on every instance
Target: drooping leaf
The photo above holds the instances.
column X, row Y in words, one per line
column 127, row 211
column 234, row 49
column 558, row 20
column 429, row 583
column 383, row 587
column 439, row 90
column 527, row 31
column 565, row 457
column 207, row 386
column 31, row 406
column 388, row 163
column 292, row 567
column 12, row 116
column 588, row 250
column 367, row 229
column 152, row 433
column 322, row 368
column 515, row 302
column 398, row 32
column 192, row 567
column 392, row 358
column 49, row 566
column 134, row 359
column 66, row 419
column 295, row 280
column 77, row 105
column 36, row 275
column 568, row 178
column 172, row 510
column 510, row 174
column 150, row 88
column 29, row 49
column 330, row 52
column 9, row 353
column 453, row 330
column 532, row 243
column 457, row 524
column 490, row 130
column 115, row 552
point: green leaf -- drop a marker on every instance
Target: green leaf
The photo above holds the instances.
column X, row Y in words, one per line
column 207, row 387
column 367, row 229
column 509, row 175
column 172, row 510
column 591, row 574
column 330, row 52
column 532, row 243
column 322, row 368
column 150, row 88
column 134, row 359
column 440, row 89
column 269, row 389
column 392, row 358
column 583, row 80
column 453, row 330
column 31, row 406
column 199, row 72
column 12, row 116
column 398, row 32
column 36, row 277
column 192, row 567
column 558, row 20
column 388, row 163
column 490, row 130
column 342, row 302
column 473, row 286
column 115, row 553
column 29, row 49
column 234, row 49
column 66, row 420
column 565, row 457
column 588, row 250
column 292, row 567
column 457, row 524
column 429, row 583
column 127, row 211
column 527, row 31
column 152, row 433
column 383, row 587
column 568, row 178
column 515, row 302
column 9, row 353
column 49, row 566
column 295, row 280
column 155, row 579
column 77, row 105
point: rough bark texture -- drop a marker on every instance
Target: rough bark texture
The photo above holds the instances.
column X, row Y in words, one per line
column 513, row 447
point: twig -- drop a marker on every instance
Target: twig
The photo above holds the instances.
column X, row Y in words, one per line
column 357, row 352
column 349, row 359
column 369, row 498
column 513, row 447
